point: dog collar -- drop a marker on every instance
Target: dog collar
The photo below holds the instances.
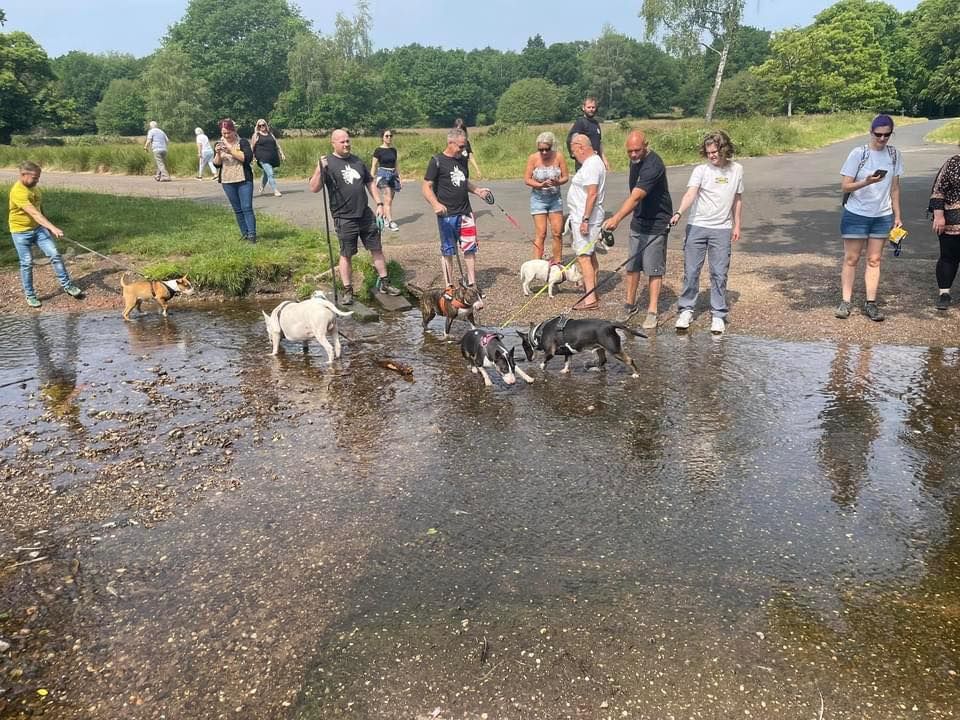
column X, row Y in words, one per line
column 171, row 285
column 485, row 340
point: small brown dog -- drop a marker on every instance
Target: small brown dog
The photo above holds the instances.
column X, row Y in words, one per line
column 163, row 291
column 455, row 302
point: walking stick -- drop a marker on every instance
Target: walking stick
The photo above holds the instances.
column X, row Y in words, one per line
column 326, row 223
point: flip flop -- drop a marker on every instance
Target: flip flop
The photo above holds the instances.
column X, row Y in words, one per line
column 590, row 306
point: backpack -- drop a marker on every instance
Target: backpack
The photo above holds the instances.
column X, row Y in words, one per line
column 891, row 151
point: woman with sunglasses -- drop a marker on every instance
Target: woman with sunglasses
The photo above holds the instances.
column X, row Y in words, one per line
column 233, row 156
column 871, row 208
column 546, row 172
column 387, row 172
column 269, row 154
column 945, row 206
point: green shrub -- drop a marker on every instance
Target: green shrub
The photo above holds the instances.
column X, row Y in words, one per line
column 531, row 100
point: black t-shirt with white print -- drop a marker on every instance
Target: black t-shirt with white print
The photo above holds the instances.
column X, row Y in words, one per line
column 347, row 179
column 449, row 176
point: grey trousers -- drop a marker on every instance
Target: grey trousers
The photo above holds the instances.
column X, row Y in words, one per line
column 160, row 156
column 713, row 244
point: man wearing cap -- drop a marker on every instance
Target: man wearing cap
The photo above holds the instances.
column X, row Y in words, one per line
column 348, row 181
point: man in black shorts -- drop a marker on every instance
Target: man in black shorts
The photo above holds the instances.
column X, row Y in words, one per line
column 588, row 124
column 348, row 181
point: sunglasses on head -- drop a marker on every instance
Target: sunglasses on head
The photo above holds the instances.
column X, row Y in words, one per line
column 882, row 135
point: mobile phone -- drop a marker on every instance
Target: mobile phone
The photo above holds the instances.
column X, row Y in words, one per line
column 880, row 173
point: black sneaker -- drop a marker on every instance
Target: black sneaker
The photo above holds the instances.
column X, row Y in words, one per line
column 385, row 288
column 843, row 310
column 943, row 301
column 871, row 310
column 347, row 297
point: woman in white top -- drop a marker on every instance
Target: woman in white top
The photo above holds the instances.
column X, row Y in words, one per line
column 871, row 208
column 204, row 153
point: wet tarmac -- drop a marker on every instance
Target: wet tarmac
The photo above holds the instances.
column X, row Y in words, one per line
column 753, row 528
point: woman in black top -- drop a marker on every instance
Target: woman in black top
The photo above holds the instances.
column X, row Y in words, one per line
column 945, row 206
column 267, row 151
column 385, row 168
column 468, row 153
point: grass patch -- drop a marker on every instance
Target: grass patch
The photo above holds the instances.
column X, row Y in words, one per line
column 501, row 151
column 168, row 238
column 949, row 133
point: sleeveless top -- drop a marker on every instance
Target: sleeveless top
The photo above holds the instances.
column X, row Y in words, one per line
column 546, row 172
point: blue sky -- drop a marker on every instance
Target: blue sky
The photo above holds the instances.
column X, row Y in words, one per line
column 136, row 26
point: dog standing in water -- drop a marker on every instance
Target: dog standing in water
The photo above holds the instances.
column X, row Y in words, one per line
column 302, row 321
column 483, row 349
column 560, row 336
column 162, row 291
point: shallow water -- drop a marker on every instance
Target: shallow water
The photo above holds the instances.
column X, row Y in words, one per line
column 751, row 528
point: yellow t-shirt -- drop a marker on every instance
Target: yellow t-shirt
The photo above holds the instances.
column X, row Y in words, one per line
column 21, row 195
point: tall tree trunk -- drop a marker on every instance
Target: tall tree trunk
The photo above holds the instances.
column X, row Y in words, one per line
column 718, row 80
column 790, row 107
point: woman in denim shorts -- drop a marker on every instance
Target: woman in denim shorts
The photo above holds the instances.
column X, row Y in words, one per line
column 546, row 172
column 386, row 169
column 871, row 208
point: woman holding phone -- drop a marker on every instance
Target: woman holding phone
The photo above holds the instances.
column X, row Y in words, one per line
column 233, row 155
column 871, row 209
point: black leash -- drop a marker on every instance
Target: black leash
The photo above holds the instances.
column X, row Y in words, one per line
column 326, row 223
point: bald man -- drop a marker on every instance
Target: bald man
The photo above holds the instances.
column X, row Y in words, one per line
column 348, row 181
column 650, row 204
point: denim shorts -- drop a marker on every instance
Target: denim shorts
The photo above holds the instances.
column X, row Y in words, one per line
column 859, row 227
column 542, row 204
column 387, row 177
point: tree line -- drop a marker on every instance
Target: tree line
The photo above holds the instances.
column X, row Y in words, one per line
column 260, row 58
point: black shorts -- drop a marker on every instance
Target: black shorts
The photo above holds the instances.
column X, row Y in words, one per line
column 349, row 230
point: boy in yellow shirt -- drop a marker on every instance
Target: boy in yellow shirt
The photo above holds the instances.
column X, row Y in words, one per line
column 28, row 226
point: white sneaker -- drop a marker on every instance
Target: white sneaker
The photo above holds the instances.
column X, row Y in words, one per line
column 684, row 319
column 718, row 326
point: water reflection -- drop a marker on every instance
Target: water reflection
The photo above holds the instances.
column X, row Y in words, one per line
column 57, row 369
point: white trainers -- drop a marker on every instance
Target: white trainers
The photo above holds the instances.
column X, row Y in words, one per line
column 684, row 319
column 718, row 326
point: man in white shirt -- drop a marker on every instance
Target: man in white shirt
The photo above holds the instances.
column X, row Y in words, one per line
column 585, row 205
column 157, row 141
column 715, row 192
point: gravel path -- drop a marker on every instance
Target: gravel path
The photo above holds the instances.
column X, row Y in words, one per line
column 784, row 279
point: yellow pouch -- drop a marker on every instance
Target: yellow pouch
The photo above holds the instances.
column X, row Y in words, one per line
column 897, row 234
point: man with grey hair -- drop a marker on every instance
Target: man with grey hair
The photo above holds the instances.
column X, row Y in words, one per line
column 447, row 187
column 157, row 141
column 348, row 181
column 585, row 205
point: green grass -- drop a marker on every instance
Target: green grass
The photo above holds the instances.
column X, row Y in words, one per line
column 949, row 133
column 501, row 151
column 168, row 238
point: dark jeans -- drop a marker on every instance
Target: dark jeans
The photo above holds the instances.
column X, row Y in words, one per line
column 240, row 196
column 949, row 261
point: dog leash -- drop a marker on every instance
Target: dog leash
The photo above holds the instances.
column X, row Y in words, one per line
column 108, row 259
column 489, row 199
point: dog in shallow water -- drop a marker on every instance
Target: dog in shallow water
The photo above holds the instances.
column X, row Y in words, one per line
column 561, row 336
column 162, row 291
column 483, row 349
column 454, row 302
column 302, row 321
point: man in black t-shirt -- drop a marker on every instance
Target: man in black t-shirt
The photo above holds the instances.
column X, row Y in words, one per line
column 588, row 125
column 447, row 187
column 650, row 204
column 348, row 181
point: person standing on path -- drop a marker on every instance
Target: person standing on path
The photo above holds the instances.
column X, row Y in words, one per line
column 649, row 202
column 348, row 181
column 871, row 208
column 233, row 155
column 268, row 153
column 29, row 226
column 204, row 153
column 386, row 170
column 715, row 192
column 157, row 141
column 588, row 124
column 546, row 172
column 585, row 205
column 447, row 187
column 945, row 206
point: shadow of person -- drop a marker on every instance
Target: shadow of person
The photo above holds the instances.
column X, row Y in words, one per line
column 57, row 372
column 850, row 422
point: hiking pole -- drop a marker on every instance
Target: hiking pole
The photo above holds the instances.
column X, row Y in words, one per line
column 108, row 259
column 326, row 223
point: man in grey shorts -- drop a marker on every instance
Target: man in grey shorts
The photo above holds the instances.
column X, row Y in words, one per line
column 649, row 202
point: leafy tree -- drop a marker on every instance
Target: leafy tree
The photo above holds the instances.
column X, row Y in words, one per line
column 687, row 23
column 122, row 111
column 83, row 78
column 240, row 48
column 629, row 77
column 746, row 93
column 531, row 100
column 25, row 83
column 931, row 62
column 174, row 98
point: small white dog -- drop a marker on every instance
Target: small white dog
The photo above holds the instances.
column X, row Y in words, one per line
column 547, row 274
column 301, row 321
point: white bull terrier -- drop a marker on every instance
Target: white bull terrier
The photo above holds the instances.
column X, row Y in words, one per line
column 302, row 321
column 547, row 274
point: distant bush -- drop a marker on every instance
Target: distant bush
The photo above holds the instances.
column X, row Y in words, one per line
column 122, row 111
column 531, row 100
column 36, row 141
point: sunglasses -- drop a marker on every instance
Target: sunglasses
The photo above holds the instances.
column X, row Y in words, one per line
column 546, row 149
column 882, row 135
column 461, row 147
